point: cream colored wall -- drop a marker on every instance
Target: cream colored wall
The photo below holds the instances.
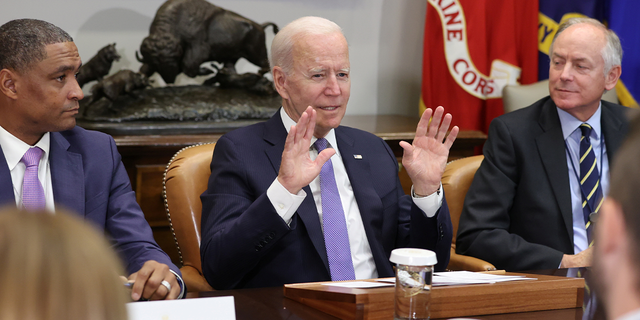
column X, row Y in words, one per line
column 385, row 37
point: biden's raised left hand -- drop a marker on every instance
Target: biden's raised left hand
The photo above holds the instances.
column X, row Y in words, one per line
column 426, row 158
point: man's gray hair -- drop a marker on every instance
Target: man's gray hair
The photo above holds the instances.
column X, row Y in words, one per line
column 282, row 45
column 23, row 42
column 612, row 51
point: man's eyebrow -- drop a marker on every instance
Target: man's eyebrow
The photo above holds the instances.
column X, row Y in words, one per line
column 65, row 68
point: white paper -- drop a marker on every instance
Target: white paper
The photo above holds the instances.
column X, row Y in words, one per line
column 452, row 278
column 467, row 277
column 358, row 284
column 218, row 308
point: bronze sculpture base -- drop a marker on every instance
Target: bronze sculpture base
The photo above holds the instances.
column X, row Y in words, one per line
column 177, row 110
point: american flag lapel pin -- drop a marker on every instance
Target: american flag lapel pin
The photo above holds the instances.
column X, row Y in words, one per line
column 357, row 156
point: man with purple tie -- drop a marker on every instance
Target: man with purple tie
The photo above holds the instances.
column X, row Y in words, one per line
column 49, row 162
column 300, row 198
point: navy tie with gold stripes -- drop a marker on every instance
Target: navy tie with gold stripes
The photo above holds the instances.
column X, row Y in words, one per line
column 592, row 195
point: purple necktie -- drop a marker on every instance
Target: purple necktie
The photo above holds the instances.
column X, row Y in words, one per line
column 336, row 237
column 32, row 192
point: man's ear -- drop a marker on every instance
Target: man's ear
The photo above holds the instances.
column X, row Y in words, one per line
column 8, row 83
column 612, row 77
column 279, row 80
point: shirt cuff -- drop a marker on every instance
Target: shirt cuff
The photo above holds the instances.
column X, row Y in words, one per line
column 283, row 201
column 429, row 204
column 183, row 287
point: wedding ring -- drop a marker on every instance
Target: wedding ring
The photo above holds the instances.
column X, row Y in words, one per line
column 166, row 285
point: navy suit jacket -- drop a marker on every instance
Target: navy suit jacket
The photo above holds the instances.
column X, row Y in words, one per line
column 517, row 212
column 89, row 179
column 245, row 243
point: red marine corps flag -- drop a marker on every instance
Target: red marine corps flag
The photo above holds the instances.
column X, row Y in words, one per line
column 472, row 49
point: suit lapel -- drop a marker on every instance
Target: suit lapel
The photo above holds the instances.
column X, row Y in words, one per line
column 613, row 130
column 7, row 195
column 275, row 135
column 67, row 175
column 551, row 147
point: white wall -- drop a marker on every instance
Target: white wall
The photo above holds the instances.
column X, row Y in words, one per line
column 385, row 38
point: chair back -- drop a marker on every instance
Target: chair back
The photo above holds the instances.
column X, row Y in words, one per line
column 520, row 96
column 456, row 181
column 185, row 179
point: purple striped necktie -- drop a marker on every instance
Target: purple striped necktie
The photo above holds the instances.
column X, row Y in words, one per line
column 336, row 237
column 32, row 191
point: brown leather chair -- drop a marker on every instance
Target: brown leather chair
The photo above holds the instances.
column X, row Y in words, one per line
column 456, row 181
column 185, row 179
column 516, row 97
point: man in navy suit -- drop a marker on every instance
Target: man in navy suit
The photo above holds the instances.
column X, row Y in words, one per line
column 74, row 168
column 525, row 208
column 263, row 217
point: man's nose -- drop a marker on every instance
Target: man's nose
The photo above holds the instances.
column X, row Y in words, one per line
column 76, row 92
column 332, row 88
column 567, row 72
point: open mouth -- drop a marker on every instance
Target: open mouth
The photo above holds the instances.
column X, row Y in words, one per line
column 329, row 108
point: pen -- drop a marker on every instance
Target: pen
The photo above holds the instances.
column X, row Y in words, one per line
column 129, row 283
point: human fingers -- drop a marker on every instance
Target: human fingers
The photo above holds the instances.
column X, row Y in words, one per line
column 444, row 127
column 435, row 122
column 423, row 124
column 452, row 137
column 289, row 141
column 154, row 288
column 408, row 150
column 171, row 283
column 311, row 126
column 302, row 126
column 325, row 155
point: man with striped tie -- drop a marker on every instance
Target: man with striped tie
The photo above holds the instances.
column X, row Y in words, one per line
column 546, row 167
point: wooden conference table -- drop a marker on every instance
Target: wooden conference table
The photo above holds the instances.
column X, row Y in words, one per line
column 271, row 304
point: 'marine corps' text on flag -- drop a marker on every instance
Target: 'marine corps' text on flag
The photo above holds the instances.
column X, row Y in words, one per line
column 460, row 64
column 472, row 49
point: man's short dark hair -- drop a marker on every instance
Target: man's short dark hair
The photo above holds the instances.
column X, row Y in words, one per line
column 625, row 185
column 23, row 42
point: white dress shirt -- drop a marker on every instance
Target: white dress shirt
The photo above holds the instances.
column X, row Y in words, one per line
column 286, row 205
column 14, row 149
column 572, row 134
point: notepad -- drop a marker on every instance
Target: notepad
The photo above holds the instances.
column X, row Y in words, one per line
column 187, row 309
column 467, row 277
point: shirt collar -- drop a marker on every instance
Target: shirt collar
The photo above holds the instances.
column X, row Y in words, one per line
column 331, row 136
column 14, row 148
column 570, row 123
